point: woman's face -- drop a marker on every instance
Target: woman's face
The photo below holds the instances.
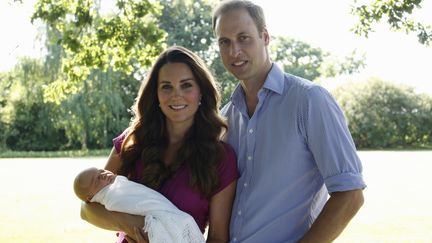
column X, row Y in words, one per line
column 178, row 93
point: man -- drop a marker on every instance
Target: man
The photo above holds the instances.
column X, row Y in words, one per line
column 292, row 142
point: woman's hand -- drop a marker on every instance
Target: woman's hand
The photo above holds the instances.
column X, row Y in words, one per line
column 139, row 237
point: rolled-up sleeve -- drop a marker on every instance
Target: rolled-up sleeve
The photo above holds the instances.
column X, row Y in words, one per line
column 331, row 143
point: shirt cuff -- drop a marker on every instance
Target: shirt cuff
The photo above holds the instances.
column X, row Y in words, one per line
column 345, row 182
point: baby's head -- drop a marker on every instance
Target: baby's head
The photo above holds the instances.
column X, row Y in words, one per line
column 90, row 181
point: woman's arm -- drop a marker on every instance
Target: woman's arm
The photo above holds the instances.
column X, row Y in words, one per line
column 96, row 214
column 220, row 214
column 114, row 162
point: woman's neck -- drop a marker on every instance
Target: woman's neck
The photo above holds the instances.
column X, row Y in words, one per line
column 176, row 133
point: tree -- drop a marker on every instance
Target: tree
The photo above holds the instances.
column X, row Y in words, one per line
column 126, row 41
column 301, row 59
column 333, row 66
column 384, row 115
column 98, row 55
column 194, row 31
column 397, row 13
column 297, row 57
column 5, row 90
column 29, row 122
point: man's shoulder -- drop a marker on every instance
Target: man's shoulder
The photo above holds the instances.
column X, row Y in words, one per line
column 298, row 83
column 303, row 87
column 285, row 82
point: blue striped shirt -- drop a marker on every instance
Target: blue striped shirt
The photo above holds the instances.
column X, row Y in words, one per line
column 293, row 151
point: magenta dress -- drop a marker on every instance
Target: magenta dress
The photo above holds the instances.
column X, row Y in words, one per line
column 176, row 189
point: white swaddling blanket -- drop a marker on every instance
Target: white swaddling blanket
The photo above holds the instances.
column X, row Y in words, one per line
column 164, row 222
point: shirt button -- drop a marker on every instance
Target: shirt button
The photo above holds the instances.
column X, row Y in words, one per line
column 239, row 212
column 249, row 157
column 251, row 130
column 245, row 184
column 234, row 239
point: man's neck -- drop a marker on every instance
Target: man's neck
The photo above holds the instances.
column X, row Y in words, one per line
column 252, row 87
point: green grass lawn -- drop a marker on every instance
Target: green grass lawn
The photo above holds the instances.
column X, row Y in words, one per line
column 398, row 201
column 54, row 154
column 38, row 204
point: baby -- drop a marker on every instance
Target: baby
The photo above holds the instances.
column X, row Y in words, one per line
column 164, row 222
column 90, row 181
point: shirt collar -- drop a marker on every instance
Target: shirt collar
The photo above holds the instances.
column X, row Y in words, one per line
column 273, row 82
column 238, row 95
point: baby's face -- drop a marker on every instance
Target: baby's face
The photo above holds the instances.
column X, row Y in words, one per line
column 98, row 179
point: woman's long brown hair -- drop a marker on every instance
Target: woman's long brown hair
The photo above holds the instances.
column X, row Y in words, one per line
column 147, row 138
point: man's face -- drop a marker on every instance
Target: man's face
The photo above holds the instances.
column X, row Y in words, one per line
column 242, row 47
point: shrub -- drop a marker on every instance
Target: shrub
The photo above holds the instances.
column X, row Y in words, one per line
column 384, row 115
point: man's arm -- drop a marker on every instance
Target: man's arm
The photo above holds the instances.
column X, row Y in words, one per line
column 335, row 216
column 96, row 214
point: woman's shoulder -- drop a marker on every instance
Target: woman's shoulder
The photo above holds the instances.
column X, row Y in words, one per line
column 118, row 140
column 229, row 150
column 227, row 146
column 227, row 168
column 229, row 161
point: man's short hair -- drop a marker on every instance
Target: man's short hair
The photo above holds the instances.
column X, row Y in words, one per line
column 255, row 11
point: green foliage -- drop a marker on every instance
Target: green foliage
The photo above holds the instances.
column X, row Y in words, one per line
column 96, row 114
column 397, row 13
column 332, row 67
column 226, row 80
column 78, row 98
column 27, row 121
column 125, row 41
column 5, row 83
column 383, row 115
column 93, row 64
column 34, row 129
column 297, row 57
column 194, row 31
column 303, row 60
column 88, row 119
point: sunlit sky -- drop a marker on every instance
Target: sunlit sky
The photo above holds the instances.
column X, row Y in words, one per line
column 391, row 56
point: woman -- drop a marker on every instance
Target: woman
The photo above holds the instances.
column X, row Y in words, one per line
column 174, row 146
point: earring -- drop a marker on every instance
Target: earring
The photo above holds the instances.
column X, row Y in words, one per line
column 199, row 103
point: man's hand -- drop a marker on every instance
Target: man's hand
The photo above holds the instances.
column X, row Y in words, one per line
column 139, row 237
